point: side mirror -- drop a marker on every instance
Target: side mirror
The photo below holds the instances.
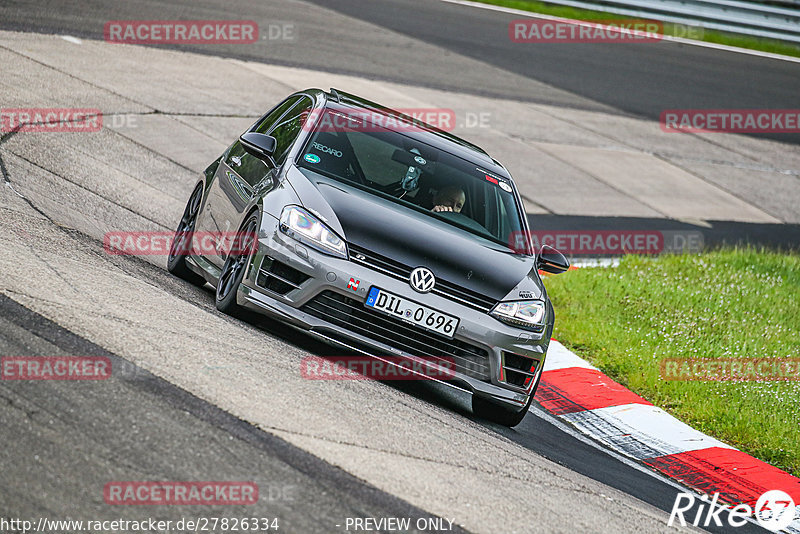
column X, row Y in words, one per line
column 551, row 261
column 259, row 145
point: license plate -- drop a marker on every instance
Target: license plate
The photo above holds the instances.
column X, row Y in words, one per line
column 411, row 312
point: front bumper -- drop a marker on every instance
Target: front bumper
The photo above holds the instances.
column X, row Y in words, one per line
column 336, row 276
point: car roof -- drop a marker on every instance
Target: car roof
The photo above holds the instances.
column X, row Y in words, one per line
column 425, row 133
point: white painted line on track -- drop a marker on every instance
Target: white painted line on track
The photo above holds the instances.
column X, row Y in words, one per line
column 681, row 40
column 641, row 431
column 71, row 39
column 537, row 411
column 559, row 357
column 567, row 429
column 794, row 526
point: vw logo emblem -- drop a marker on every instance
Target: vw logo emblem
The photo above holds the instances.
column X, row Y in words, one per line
column 422, row 280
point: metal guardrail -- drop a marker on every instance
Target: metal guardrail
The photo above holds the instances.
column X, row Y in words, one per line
column 749, row 18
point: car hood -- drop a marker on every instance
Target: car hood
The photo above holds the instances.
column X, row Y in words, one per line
column 397, row 232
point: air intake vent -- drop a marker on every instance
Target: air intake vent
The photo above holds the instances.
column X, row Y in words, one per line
column 351, row 314
column 518, row 370
column 278, row 277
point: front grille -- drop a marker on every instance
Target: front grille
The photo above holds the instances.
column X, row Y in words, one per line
column 351, row 314
column 402, row 272
column 518, row 370
column 279, row 277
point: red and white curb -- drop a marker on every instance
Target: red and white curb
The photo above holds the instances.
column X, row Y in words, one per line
column 581, row 395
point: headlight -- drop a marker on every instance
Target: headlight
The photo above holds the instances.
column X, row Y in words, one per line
column 299, row 224
column 523, row 313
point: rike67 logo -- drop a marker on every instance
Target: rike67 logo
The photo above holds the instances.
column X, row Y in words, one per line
column 775, row 510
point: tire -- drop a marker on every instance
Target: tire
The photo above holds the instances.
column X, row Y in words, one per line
column 496, row 413
column 500, row 414
column 181, row 243
column 235, row 266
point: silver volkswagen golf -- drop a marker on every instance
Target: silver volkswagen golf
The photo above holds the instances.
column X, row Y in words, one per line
column 383, row 235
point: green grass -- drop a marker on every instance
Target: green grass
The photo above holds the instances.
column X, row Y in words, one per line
column 711, row 36
column 739, row 303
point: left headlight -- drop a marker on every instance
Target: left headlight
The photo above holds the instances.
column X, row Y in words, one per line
column 299, row 224
column 523, row 313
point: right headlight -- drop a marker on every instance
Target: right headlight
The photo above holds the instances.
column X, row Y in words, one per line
column 528, row 314
column 299, row 224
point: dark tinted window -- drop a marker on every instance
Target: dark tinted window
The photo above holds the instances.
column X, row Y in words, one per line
column 272, row 118
column 419, row 176
column 252, row 169
column 289, row 126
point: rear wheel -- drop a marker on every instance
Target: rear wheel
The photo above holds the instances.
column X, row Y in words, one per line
column 235, row 266
column 182, row 242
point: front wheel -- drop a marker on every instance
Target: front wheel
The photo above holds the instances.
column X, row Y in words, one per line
column 496, row 413
column 235, row 266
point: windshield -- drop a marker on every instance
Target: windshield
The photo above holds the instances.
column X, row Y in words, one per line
column 414, row 174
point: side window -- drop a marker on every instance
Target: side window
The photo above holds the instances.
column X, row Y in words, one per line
column 250, row 168
column 271, row 120
column 289, row 127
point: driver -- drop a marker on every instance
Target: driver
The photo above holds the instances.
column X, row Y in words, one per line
column 450, row 198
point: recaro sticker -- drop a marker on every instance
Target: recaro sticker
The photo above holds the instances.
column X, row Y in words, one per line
column 327, row 150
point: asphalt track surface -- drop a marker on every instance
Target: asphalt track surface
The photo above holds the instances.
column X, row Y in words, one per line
column 451, row 47
column 61, row 442
column 192, row 432
column 642, row 80
column 137, row 423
